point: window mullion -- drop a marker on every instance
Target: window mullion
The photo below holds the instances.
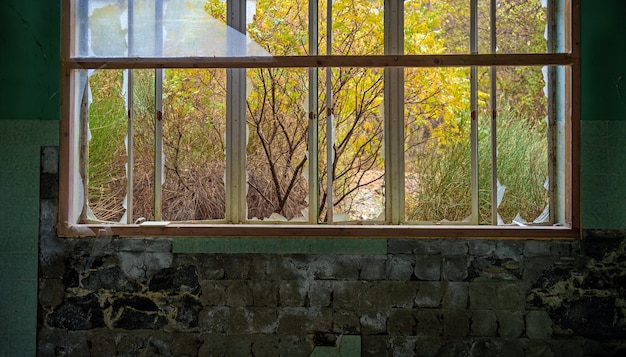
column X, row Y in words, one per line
column 330, row 125
column 474, row 113
column 158, row 121
column 313, row 110
column 494, row 116
column 130, row 132
column 236, row 129
column 394, row 114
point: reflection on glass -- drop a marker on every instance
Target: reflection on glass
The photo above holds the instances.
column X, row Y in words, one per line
column 161, row 28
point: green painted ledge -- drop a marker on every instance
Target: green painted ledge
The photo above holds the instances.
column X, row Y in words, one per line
column 298, row 245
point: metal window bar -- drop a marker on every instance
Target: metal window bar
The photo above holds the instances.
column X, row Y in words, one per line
column 494, row 115
column 552, row 45
column 83, row 169
column 394, row 113
column 236, row 129
column 130, row 133
column 313, row 216
column 475, row 219
column 158, row 120
column 330, row 137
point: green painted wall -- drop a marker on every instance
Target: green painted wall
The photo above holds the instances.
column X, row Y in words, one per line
column 603, row 60
column 30, row 61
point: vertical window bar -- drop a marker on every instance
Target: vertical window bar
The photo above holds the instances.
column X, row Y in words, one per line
column 236, row 130
column 130, row 133
column 83, row 49
column 330, row 131
column 552, row 110
column 474, row 112
column 394, row 113
column 158, row 122
column 494, row 116
column 313, row 109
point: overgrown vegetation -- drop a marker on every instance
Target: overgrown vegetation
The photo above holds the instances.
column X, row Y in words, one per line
column 436, row 122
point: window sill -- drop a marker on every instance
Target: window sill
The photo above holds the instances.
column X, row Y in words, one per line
column 318, row 231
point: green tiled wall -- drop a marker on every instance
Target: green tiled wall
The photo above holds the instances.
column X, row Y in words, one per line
column 603, row 174
column 20, row 143
column 281, row 245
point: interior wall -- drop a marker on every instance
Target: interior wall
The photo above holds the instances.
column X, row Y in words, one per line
column 30, row 102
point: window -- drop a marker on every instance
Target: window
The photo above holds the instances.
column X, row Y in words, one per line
column 363, row 118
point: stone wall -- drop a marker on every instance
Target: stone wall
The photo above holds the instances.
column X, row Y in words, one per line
column 436, row 297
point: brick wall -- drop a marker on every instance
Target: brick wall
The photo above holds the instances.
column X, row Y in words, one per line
column 432, row 297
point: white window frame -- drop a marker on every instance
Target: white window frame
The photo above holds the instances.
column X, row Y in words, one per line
column 393, row 61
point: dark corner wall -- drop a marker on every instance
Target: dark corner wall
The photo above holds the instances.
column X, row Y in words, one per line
column 300, row 297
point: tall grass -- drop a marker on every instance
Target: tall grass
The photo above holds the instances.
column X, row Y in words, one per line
column 441, row 189
column 438, row 184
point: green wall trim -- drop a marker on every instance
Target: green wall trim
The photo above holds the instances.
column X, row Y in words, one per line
column 298, row 245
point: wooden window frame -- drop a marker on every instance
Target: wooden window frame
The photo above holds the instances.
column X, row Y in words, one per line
column 570, row 60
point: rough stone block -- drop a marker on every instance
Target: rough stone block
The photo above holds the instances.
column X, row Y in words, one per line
column 511, row 296
column 429, row 322
column 320, row 293
column 373, row 267
column 509, row 248
column 428, row 346
column 374, row 345
column 455, row 268
column 346, row 322
column 455, row 323
column 236, row 267
column 264, row 293
column 454, row 247
column 262, row 320
column 535, row 248
column 213, row 319
column 429, row 294
column 175, row 280
column 428, row 267
column 297, row 346
column 153, row 245
column 482, row 247
column 401, row 294
column 51, row 292
column 455, row 295
column 401, row 322
column 347, row 295
column 513, row 348
column 538, row 325
column 213, row 293
column 239, row 293
column 402, row 345
column 238, row 320
column 185, row 344
column 539, row 349
column 561, row 249
column 139, row 265
column 400, row 267
column 290, row 267
column 483, row 323
column 300, row 320
column 265, row 345
column 345, row 267
column 482, row 296
column 373, row 325
column 292, row 292
column 510, row 324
